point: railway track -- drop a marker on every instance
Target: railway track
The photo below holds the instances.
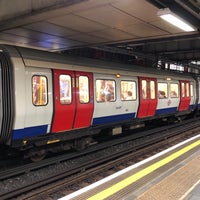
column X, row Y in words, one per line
column 50, row 176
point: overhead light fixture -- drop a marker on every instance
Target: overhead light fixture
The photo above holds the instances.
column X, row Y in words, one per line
column 118, row 75
column 168, row 78
column 174, row 19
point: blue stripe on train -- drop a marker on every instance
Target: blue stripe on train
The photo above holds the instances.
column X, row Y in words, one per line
column 191, row 107
column 171, row 110
column 112, row 119
column 166, row 111
column 29, row 132
column 41, row 130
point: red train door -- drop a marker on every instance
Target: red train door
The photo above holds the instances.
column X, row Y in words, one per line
column 184, row 95
column 148, row 97
column 64, row 100
column 73, row 100
column 84, row 99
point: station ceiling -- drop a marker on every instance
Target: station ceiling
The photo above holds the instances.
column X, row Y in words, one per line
column 128, row 27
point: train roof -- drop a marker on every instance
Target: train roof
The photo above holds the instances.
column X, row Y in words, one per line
column 52, row 57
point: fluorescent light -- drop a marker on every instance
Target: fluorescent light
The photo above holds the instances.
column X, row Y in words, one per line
column 174, row 19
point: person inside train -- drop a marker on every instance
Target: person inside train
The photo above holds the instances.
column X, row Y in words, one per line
column 161, row 94
column 129, row 95
column 173, row 94
column 109, row 92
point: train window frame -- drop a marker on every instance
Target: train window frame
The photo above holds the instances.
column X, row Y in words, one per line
column 66, row 99
column 101, row 95
column 187, row 88
column 34, row 90
column 152, row 89
column 86, row 91
column 183, row 88
column 173, row 93
column 144, row 84
column 128, row 95
column 163, row 91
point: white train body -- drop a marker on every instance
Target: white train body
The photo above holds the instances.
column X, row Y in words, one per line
column 80, row 98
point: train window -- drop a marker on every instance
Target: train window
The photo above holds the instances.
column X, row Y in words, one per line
column 39, row 90
column 183, row 89
column 144, row 89
column 105, row 90
column 174, row 90
column 83, row 89
column 128, row 90
column 191, row 90
column 152, row 89
column 65, row 89
column 187, row 90
column 162, row 90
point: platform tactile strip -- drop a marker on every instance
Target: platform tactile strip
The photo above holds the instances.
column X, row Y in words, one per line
column 176, row 185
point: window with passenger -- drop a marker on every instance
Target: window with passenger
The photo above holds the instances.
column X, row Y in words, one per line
column 162, row 90
column 65, row 89
column 39, row 90
column 174, row 91
column 128, row 90
column 83, row 89
column 105, row 90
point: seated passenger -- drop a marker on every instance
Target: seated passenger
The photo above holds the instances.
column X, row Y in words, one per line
column 129, row 95
column 173, row 94
column 161, row 94
column 102, row 97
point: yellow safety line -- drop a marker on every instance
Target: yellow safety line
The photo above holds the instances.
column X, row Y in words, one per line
column 126, row 182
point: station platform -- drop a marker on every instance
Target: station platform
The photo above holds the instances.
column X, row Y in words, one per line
column 173, row 174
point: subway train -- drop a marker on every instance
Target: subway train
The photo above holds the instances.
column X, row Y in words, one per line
column 51, row 102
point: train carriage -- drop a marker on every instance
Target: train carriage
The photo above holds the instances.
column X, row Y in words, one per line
column 47, row 98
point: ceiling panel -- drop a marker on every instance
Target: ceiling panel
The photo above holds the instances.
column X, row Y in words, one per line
column 30, row 37
column 88, row 39
column 64, row 41
column 83, row 5
column 47, row 45
column 48, row 28
column 15, row 39
column 144, row 30
column 113, row 35
column 141, row 9
column 77, row 23
column 109, row 16
column 30, row 34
